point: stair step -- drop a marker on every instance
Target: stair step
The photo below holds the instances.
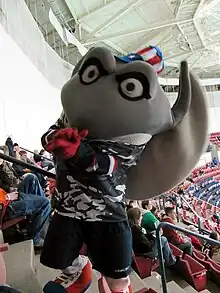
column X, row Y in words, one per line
column 20, row 266
column 190, row 289
column 136, row 282
column 44, row 274
column 153, row 282
column 173, row 287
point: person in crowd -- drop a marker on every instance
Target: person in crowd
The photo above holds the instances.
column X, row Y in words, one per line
column 35, row 207
column 144, row 243
column 209, row 248
column 21, row 171
column 9, row 143
column 215, row 161
column 46, row 163
column 172, row 236
column 131, row 204
column 154, row 211
column 9, row 180
column 37, row 157
column 149, row 221
column 201, row 172
column 195, row 241
column 216, row 217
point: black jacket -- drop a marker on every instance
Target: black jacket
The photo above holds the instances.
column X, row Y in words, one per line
column 142, row 243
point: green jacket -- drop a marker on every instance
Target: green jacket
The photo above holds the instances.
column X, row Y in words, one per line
column 149, row 222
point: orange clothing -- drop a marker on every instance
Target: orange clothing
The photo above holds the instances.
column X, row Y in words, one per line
column 3, row 196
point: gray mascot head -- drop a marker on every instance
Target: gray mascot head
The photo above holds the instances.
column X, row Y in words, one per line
column 125, row 103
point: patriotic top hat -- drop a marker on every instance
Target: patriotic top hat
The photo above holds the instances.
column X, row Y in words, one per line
column 151, row 55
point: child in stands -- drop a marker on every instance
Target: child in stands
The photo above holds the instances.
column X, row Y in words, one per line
column 145, row 243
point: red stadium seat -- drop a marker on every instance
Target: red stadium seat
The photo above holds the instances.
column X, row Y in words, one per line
column 193, row 272
column 201, row 258
column 215, row 272
column 175, row 250
column 8, row 223
column 143, row 265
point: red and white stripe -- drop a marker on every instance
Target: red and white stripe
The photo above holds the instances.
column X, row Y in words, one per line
column 150, row 56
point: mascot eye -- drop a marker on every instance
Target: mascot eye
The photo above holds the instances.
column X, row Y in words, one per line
column 132, row 89
column 90, row 74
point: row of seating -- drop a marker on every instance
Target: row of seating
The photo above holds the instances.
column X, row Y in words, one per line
column 190, row 269
column 212, row 267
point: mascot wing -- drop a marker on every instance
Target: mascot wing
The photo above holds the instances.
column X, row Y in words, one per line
column 170, row 156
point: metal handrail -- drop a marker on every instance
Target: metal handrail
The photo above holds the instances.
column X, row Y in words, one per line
column 28, row 166
column 194, row 212
column 160, row 249
column 26, row 150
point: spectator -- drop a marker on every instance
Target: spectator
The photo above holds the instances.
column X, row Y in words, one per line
column 209, row 248
column 144, row 243
column 21, row 171
column 154, row 211
column 195, row 241
column 149, row 221
column 215, row 161
column 10, row 182
column 131, row 204
column 37, row 157
column 10, row 145
column 172, row 236
column 35, row 207
column 46, row 163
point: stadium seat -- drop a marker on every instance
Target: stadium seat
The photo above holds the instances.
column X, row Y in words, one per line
column 201, row 258
column 144, row 265
column 175, row 250
column 193, row 272
column 215, row 272
column 5, row 224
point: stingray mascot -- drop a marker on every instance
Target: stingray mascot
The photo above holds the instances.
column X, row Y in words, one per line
column 117, row 138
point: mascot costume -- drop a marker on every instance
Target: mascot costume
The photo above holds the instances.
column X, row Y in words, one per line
column 117, row 138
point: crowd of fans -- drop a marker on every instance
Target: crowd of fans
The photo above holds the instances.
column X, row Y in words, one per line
column 25, row 192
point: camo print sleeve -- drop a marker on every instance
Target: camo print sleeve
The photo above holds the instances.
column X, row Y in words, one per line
column 90, row 160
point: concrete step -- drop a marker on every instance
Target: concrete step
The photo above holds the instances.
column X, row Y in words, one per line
column 20, row 266
column 173, row 287
column 136, row 282
column 44, row 274
column 189, row 289
column 153, row 282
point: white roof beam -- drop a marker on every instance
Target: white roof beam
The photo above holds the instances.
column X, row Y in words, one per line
column 114, row 46
column 161, row 37
column 185, row 55
column 184, row 36
column 114, row 17
column 177, row 9
column 154, row 26
column 92, row 11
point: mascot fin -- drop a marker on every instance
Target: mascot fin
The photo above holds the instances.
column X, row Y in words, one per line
column 169, row 157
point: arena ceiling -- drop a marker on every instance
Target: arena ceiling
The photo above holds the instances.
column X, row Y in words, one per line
column 183, row 29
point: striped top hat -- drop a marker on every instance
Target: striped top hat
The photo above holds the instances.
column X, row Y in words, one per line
column 151, row 55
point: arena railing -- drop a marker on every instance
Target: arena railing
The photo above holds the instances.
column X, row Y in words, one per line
column 160, row 249
column 28, row 166
column 26, row 150
column 191, row 208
